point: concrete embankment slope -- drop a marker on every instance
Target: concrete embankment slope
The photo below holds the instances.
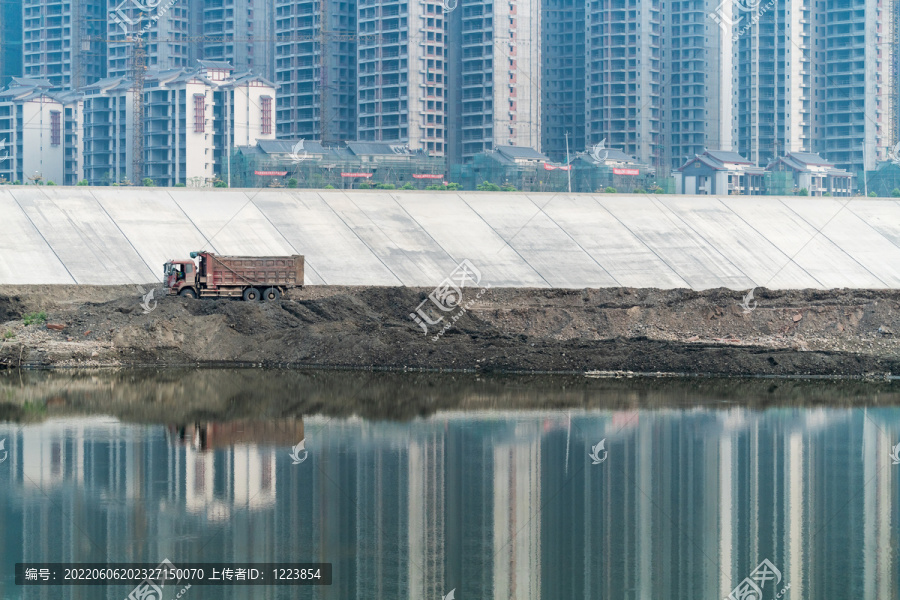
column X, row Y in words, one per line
column 112, row 235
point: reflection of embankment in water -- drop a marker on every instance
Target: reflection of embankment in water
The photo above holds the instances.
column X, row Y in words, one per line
column 211, row 435
column 190, row 396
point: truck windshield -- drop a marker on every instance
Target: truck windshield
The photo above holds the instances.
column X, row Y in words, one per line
column 167, row 269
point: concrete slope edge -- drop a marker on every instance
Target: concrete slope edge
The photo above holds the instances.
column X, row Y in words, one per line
column 58, row 235
column 810, row 333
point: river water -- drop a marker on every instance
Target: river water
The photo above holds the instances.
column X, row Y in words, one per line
column 416, row 486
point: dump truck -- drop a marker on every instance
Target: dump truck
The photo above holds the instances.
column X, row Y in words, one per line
column 248, row 277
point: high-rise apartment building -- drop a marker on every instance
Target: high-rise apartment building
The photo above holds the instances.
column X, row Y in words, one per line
column 240, row 32
column 623, row 76
column 857, row 85
column 774, row 93
column 697, row 82
column 171, row 37
column 64, row 41
column 562, row 77
column 402, row 74
column 10, row 41
column 315, row 69
column 495, row 67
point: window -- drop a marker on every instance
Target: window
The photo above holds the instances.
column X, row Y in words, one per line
column 55, row 128
column 266, row 116
column 199, row 113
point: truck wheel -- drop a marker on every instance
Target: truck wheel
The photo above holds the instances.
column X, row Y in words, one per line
column 187, row 293
column 272, row 295
column 251, row 294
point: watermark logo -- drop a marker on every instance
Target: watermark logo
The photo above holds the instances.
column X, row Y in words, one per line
column 447, row 298
column 895, row 454
column 595, row 453
column 3, row 453
column 751, row 588
column 450, row 5
column 296, row 450
column 145, row 301
column 298, row 153
column 152, row 587
column 599, row 152
column 893, row 155
column 745, row 304
column 450, row 595
column 129, row 14
column 724, row 13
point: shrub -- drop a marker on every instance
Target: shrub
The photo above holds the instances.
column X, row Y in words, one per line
column 873, row 195
column 487, row 186
column 828, row 194
column 82, row 182
column 220, row 184
column 610, row 190
column 180, row 185
column 895, row 193
column 803, row 192
column 364, row 185
column 292, row 183
column 509, row 188
column 51, row 183
column 639, row 190
column 384, row 186
column 8, row 335
column 329, row 187
column 147, row 182
column 434, row 187
column 408, row 186
column 38, row 318
column 17, row 182
column 453, row 186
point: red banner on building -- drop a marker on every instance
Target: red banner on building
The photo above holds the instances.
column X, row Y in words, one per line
column 356, row 174
column 626, row 171
column 427, row 176
column 271, row 173
column 552, row 168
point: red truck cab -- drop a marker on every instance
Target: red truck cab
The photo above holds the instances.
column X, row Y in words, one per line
column 181, row 278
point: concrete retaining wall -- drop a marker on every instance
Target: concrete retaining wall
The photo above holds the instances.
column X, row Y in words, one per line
column 123, row 235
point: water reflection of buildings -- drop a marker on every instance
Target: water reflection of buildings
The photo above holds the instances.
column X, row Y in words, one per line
column 495, row 505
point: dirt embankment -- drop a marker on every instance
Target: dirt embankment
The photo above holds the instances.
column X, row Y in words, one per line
column 808, row 332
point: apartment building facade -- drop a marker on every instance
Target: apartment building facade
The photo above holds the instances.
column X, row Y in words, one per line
column 240, row 32
column 315, row 69
column 32, row 133
column 192, row 119
column 495, row 68
column 563, row 78
column 63, row 41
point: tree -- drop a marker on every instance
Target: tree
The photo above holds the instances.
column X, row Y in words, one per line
column 803, row 192
column 453, row 186
column 82, row 182
column 408, row 186
column 895, row 193
column 487, row 186
column 873, row 195
column 292, row 183
column 147, row 182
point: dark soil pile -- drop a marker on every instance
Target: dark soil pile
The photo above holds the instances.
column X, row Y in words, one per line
column 805, row 332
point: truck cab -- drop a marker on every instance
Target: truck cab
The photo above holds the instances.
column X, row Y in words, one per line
column 180, row 277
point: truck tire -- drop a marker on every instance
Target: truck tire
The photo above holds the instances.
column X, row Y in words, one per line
column 272, row 295
column 187, row 293
column 251, row 294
